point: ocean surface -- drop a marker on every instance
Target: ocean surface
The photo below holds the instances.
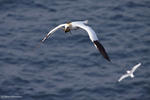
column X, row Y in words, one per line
column 68, row 66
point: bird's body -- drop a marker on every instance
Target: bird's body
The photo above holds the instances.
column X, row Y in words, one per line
column 90, row 31
column 129, row 73
column 81, row 25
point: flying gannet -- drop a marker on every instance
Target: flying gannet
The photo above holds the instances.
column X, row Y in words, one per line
column 129, row 73
column 67, row 27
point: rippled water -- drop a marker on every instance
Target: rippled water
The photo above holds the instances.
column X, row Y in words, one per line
column 67, row 66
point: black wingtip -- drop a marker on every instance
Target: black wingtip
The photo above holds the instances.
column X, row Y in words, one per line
column 109, row 60
column 44, row 38
column 102, row 50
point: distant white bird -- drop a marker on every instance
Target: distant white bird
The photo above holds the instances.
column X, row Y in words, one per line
column 81, row 24
column 129, row 73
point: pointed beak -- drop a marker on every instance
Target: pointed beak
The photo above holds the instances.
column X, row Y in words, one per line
column 67, row 29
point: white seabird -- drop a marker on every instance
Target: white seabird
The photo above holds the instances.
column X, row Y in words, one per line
column 129, row 73
column 81, row 25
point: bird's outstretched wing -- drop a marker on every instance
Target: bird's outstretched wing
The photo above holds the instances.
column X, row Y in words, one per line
column 135, row 67
column 93, row 38
column 123, row 77
column 52, row 31
column 100, row 47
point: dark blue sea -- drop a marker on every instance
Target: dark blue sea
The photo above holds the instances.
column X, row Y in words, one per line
column 68, row 66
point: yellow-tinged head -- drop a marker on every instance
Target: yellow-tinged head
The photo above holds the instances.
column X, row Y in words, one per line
column 67, row 27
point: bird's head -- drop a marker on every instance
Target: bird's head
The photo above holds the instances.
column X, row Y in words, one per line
column 67, row 27
column 128, row 71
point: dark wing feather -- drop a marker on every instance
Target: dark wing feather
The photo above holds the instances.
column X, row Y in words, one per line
column 101, row 49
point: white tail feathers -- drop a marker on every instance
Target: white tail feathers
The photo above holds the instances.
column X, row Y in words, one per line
column 86, row 22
